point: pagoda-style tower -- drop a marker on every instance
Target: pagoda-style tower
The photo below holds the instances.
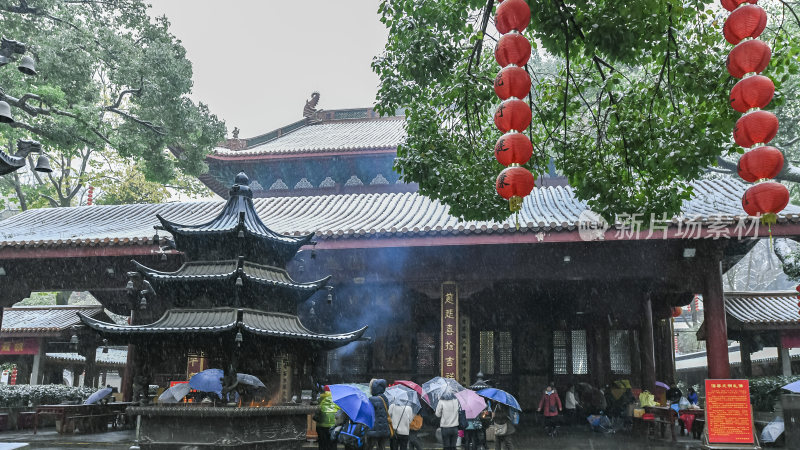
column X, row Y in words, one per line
column 232, row 301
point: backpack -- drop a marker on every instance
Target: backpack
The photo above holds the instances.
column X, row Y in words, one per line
column 352, row 435
column 416, row 423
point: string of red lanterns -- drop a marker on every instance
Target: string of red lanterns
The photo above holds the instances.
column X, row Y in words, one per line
column 756, row 128
column 513, row 116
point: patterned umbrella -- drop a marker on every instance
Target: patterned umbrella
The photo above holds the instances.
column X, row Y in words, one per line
column 416, row 388
column 435, row 387
column 402, row 395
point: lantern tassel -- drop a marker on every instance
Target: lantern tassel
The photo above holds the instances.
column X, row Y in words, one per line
column 768, row 219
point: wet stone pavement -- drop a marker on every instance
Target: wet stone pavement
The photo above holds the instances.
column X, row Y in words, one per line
column 570, row 438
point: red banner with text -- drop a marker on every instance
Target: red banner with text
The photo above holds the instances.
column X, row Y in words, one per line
column 729, row 417
column 21, row 346
column 449, row 341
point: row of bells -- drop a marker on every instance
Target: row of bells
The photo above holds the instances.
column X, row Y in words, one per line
column 27, row 66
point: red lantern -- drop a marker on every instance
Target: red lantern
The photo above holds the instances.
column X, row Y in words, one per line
column 512, row 114
column 754, row 128
column 748, row 56
column 748, row 21
column 677, row 311
column 512, row 15
column 752, row 92
column 768, row 197
column 513, row 148
column 760, row 163
column 730, row 5
column 512, row 48
column 513, row 184
column 797, row 288
column 512, row 81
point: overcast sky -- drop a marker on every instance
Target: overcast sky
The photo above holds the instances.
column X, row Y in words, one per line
column 256, row 62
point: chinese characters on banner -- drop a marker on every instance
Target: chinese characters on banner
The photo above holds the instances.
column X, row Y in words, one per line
column 27, row 346
column 728, row 414
column 196, row 363
column 449, row 341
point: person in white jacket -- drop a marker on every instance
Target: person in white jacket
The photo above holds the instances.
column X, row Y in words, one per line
column 401, row 416
column 447, row 411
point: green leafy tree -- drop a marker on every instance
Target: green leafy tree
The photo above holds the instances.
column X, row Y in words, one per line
column 111, row 81
column 629, row 99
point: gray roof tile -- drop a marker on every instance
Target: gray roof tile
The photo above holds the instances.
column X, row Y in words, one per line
column 763, row 308
column 339, row 216
column 348, row 135
column 33, row 320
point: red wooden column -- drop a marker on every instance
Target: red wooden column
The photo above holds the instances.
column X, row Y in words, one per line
column 716, row 325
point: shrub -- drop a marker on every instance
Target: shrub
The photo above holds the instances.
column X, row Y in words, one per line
column 766, row 391
column 45, row 394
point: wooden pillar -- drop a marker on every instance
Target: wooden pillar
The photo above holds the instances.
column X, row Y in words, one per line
column 744, row 350
column 716, row 325
column 90, row 377
column 786, row 361
column 648, row 346
column 126, row 387
column 38, row 362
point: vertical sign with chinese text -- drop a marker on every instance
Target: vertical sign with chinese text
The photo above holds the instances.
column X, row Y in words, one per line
column 729, row 417
column 449, row 341
column 196, row 363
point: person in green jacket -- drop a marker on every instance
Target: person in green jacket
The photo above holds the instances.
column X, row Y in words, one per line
column 325, row 418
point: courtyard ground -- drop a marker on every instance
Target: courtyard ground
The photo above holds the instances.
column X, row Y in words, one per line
column 572, row 438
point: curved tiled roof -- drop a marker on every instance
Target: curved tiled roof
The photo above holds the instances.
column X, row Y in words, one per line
column 35, row 320
column 114, row 357
column 351, row 216
column 262, row 323
column 347, row 135
column 221, row 270
column 763, row 308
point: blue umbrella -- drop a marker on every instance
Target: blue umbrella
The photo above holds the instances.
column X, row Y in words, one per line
column 500, row 396
column 794, row 387
column 208, row 381
column 354, row 403
column 97, row 396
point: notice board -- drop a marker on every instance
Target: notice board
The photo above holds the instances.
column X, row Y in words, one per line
column 729, row 417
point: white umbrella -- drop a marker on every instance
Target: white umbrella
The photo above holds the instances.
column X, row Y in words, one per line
column 773, row 430
column 401, row 395
column 436, row 386
column 175, row 393
column 97, row 396
column 250, row 380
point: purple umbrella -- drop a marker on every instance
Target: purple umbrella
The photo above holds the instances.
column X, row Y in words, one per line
column 662, row 384
column 472, row 403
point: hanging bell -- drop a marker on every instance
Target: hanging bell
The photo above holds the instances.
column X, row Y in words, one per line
column 5, row 113
column 239, row 282
column 43, row 165
column 27, row 65
column 143, row 303
column 238, row 339
column 163, row 256
column 241, row 234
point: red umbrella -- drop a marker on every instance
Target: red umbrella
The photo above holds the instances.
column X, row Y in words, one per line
column 416, row 387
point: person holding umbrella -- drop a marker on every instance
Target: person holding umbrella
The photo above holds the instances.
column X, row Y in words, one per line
column 326, row 419
column 447, row 411
column 380, row 432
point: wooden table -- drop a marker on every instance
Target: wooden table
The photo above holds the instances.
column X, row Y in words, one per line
column 65, row 413
column 664, row 417
column 699, row 421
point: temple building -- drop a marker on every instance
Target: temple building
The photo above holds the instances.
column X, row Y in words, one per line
column 566, row 298
column 231, row 303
